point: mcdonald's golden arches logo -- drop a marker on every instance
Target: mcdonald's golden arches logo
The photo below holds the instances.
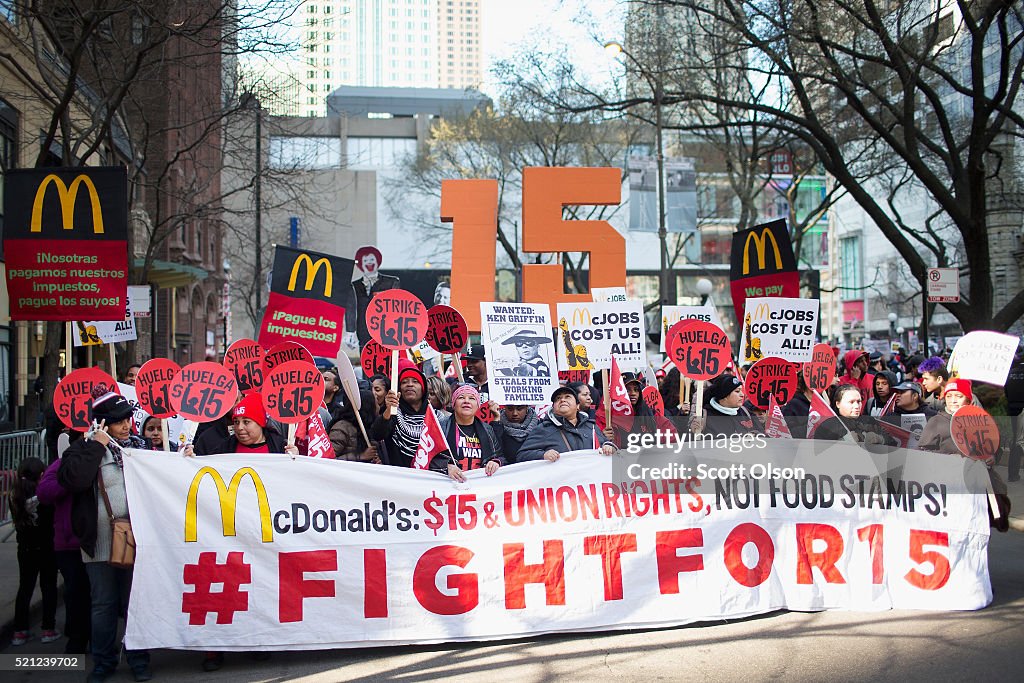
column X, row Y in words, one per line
column 67, row 194
column 311, row 271
column 762, row 311
column 227, row 496
column 760, row 244
column 581, row 316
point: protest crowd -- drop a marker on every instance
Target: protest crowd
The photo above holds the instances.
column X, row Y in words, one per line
column 442, row 417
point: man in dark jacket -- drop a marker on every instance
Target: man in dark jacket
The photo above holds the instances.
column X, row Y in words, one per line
column 562, row 430
column 909, row 401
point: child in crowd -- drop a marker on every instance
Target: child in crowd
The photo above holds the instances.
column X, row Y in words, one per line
column 33, row 524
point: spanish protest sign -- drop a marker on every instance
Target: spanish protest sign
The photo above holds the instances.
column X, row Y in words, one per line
column 308, row 295
column 521, row 366
column 66, row 243
column 983, row 356
column 670, row 315
column 536, row 549
column 590, row 333
column 72, row 399
column 780, row 327
column 762, row 264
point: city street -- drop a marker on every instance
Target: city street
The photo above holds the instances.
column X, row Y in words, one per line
column 902, row 645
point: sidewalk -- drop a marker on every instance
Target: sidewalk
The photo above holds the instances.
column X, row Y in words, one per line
column 9, row 566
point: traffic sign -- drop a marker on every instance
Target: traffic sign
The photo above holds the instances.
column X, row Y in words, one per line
column 943, row 285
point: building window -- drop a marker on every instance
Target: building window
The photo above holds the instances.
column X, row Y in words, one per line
column 851, row 277
column 305, row 152
column 8, row 148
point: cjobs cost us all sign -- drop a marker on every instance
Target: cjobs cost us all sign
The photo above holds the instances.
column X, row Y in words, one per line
column 66, row 243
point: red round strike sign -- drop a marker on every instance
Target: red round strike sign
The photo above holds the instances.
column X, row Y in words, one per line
column 153, row 386
column 293, row 391
column 396, row 319
column 447, row 331
column 975, row 433
column 770, row 376
column 284, row 352
column 699, row 349
column 72, row 399
column 654, row 400
column 244, row 360
column 375, row 360
column 821, row 371
column 203, row 392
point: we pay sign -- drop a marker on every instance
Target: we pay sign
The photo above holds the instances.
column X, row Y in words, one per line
column 780, row 327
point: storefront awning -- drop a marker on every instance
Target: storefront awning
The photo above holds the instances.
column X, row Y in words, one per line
column 167, row 274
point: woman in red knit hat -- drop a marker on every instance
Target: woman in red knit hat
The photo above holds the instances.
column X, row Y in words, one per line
column 252, row 434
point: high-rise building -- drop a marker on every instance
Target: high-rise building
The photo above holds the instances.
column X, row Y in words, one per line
column 386, row 43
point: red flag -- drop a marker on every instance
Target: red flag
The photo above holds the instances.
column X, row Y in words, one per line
column 775, row 426
column 901, row 435
column 319, row 445
column 889, row 406
column 432, row 441
column 622, row 407
column 820, row 411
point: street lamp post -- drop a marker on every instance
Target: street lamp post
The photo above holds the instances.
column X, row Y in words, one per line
column 656, row 84
column 704, row 288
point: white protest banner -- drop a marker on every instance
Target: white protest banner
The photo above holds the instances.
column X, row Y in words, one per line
column 670, row 315
column 240, row 552
column 520, row 352
column 778, row 326
column 99, row 332
column 608, row 294
column 983, row 356
column 589, row 334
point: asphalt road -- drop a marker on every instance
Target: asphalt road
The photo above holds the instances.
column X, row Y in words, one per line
column 791, row 646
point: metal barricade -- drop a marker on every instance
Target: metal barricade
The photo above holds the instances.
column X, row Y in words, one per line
column 15, row 447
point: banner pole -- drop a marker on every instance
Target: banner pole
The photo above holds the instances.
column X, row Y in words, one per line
column 89, row 361
column 362, row 427
column 607, row 398
column 113, row 361
column 699, row 400
column 394, row 379
column 163, row 430
column 458, row 367
column 68, row 346
column 291, row 433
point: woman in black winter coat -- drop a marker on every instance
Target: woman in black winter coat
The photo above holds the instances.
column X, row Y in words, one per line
column 847, row 404
column 724, row 411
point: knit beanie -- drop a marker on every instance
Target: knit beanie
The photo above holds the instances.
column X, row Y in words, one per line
column 106, row 405
column 464, row 389
column 961, row 385
column 722, row 386
column 251, row 407
column 406, row 368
